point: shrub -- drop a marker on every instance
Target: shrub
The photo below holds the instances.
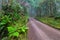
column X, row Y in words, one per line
column 13, row 20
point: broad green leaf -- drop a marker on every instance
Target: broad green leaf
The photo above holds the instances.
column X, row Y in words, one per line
column 11, row 29
column 15, row 34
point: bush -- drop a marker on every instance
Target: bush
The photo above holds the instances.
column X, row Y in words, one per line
column 13, row 20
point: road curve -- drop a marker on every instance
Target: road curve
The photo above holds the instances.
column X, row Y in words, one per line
column 40, row 31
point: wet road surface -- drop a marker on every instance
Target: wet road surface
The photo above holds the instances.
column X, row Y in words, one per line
column 40, row 31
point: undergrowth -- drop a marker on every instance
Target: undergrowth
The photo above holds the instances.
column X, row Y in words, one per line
column 13, row 19
column 55, row 23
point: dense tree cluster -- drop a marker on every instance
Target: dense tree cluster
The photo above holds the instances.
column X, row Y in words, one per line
column 48, row 8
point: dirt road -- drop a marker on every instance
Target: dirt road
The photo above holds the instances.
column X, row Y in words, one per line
column 40, row 31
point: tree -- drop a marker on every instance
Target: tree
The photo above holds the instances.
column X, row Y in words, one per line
column 47, row 8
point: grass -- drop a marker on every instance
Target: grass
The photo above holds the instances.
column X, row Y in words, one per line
column 51, row 21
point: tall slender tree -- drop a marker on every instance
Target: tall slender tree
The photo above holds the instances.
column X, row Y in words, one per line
column 51, row 7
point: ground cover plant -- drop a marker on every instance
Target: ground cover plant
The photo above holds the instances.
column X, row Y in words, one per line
column 55, row 23
column 13, row 19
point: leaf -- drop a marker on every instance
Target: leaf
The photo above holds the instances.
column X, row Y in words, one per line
column 24, row 29
column 15, row 34
column 11, row 29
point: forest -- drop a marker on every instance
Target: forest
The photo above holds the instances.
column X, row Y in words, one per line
column 49, row 13
column 15, row 14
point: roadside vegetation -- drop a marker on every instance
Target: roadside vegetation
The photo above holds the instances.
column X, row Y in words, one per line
column 48, row 13
column 51, row 22
column 13, row 20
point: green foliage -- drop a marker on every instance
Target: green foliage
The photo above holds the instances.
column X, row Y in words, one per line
column 8, row 9
column 13, row 19
column 48, row 13
column 11, row 29
column 23, row 29
column 51, row 21
column 14, row 34
column 57, row 16
column 15, row 31
column 4, row 20
column 47, row 8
